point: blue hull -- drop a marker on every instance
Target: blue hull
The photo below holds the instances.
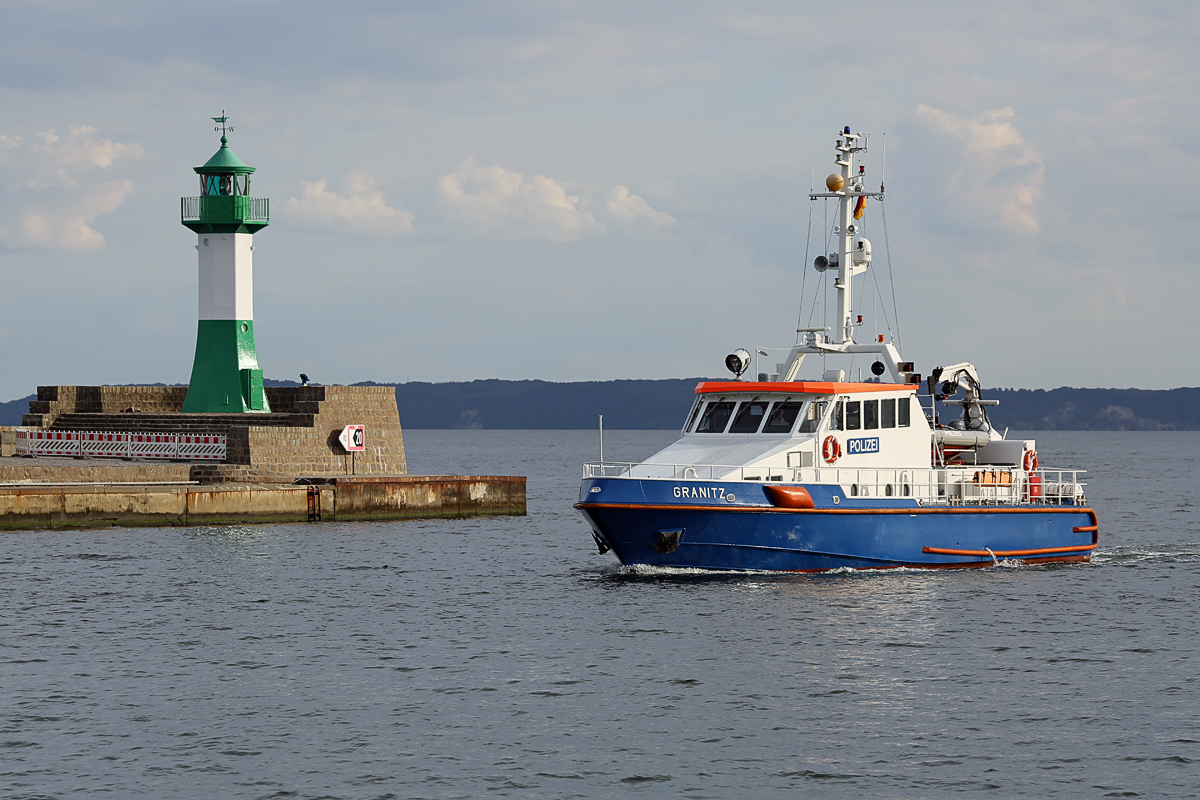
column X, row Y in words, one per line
column 733, row 526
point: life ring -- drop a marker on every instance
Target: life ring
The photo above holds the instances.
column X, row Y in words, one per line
column 1033, row 485
column 831, row 450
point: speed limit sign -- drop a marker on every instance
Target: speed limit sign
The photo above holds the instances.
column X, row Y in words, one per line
column 353, row 438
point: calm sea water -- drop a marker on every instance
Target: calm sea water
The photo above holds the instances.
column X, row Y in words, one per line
column 505, row 658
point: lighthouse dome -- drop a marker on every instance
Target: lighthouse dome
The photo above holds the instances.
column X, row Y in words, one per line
column 224, row 162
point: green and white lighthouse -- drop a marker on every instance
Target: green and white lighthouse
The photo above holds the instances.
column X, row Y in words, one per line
column 225, row 373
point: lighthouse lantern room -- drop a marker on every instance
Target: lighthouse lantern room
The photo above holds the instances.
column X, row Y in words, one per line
column 225, row 373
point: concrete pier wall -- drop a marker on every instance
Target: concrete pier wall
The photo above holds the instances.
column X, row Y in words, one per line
column 131, row 504
column 424, row 496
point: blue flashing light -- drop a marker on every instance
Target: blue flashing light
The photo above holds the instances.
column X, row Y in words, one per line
column 846, row 129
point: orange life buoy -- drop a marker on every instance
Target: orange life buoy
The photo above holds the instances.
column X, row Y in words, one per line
column 831, row 450
column 1031, row 460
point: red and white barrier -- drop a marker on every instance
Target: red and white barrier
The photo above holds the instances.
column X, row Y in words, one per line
column 208, row 448
column 47, row 443
column 103, row 444
column 191, row 447
column 152, row 445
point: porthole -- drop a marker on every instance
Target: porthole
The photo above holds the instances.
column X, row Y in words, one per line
column 245, row 327
column 836, row 499
column 206, row 242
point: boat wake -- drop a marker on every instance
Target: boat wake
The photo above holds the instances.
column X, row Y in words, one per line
column 1161, row 553
column 649, row 572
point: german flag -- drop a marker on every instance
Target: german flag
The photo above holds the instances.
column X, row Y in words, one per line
column 860, row 206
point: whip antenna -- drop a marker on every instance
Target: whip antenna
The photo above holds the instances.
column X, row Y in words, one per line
column 812, row 170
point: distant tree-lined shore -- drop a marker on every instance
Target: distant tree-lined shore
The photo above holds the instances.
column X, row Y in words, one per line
column 662, row 404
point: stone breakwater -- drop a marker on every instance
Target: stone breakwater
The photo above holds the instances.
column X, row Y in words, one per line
column 27, row 506
column 283, row 466
column 298, row 437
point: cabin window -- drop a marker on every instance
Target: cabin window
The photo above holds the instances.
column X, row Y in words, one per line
column 853, row 415
column 839, row 413
column 902, row 411
column 749, row 417
column 716, row 417
column 782, row 417
column 813, row 417
column 888, row 409
column 695, row 413
column 871, row 414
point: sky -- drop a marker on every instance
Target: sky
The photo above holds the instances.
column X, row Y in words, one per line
column 576, row 191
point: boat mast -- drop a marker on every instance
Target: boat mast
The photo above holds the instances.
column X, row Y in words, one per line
column 847, row 186
column 848, row 193
column 853, row 255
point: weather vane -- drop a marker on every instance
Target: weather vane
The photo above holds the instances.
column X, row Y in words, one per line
column 222, row 127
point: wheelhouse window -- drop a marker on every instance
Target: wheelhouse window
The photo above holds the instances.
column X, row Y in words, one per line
column 749, row 417
column 695, row 413
column 853, row 415
column 782, row 417
column 870, row 414
column 902, row 411
column 813, row 416
column 887, row 410
column 716, row 417
column 838, row 423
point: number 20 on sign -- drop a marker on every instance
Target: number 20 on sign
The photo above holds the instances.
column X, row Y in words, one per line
column 353, row 438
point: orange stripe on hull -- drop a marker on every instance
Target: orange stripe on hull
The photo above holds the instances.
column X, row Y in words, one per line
column 946, row 551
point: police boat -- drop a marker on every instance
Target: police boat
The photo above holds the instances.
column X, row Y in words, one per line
column 791, row 474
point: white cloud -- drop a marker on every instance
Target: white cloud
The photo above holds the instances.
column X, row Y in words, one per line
column 630, row 207
column 80, row 149
column 360, row 207
column 51, row 193
column 69, row 227
column 506, row 203
column 1000, row 177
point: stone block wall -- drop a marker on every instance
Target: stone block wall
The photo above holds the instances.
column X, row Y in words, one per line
column 8, row 440
column 55, row 400
column 299, row 439
column 315, row 450
column 92, row 470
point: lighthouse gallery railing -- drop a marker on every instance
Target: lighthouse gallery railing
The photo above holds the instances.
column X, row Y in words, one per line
column 225, row 208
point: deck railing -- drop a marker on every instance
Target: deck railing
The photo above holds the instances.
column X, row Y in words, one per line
column 975, row 485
